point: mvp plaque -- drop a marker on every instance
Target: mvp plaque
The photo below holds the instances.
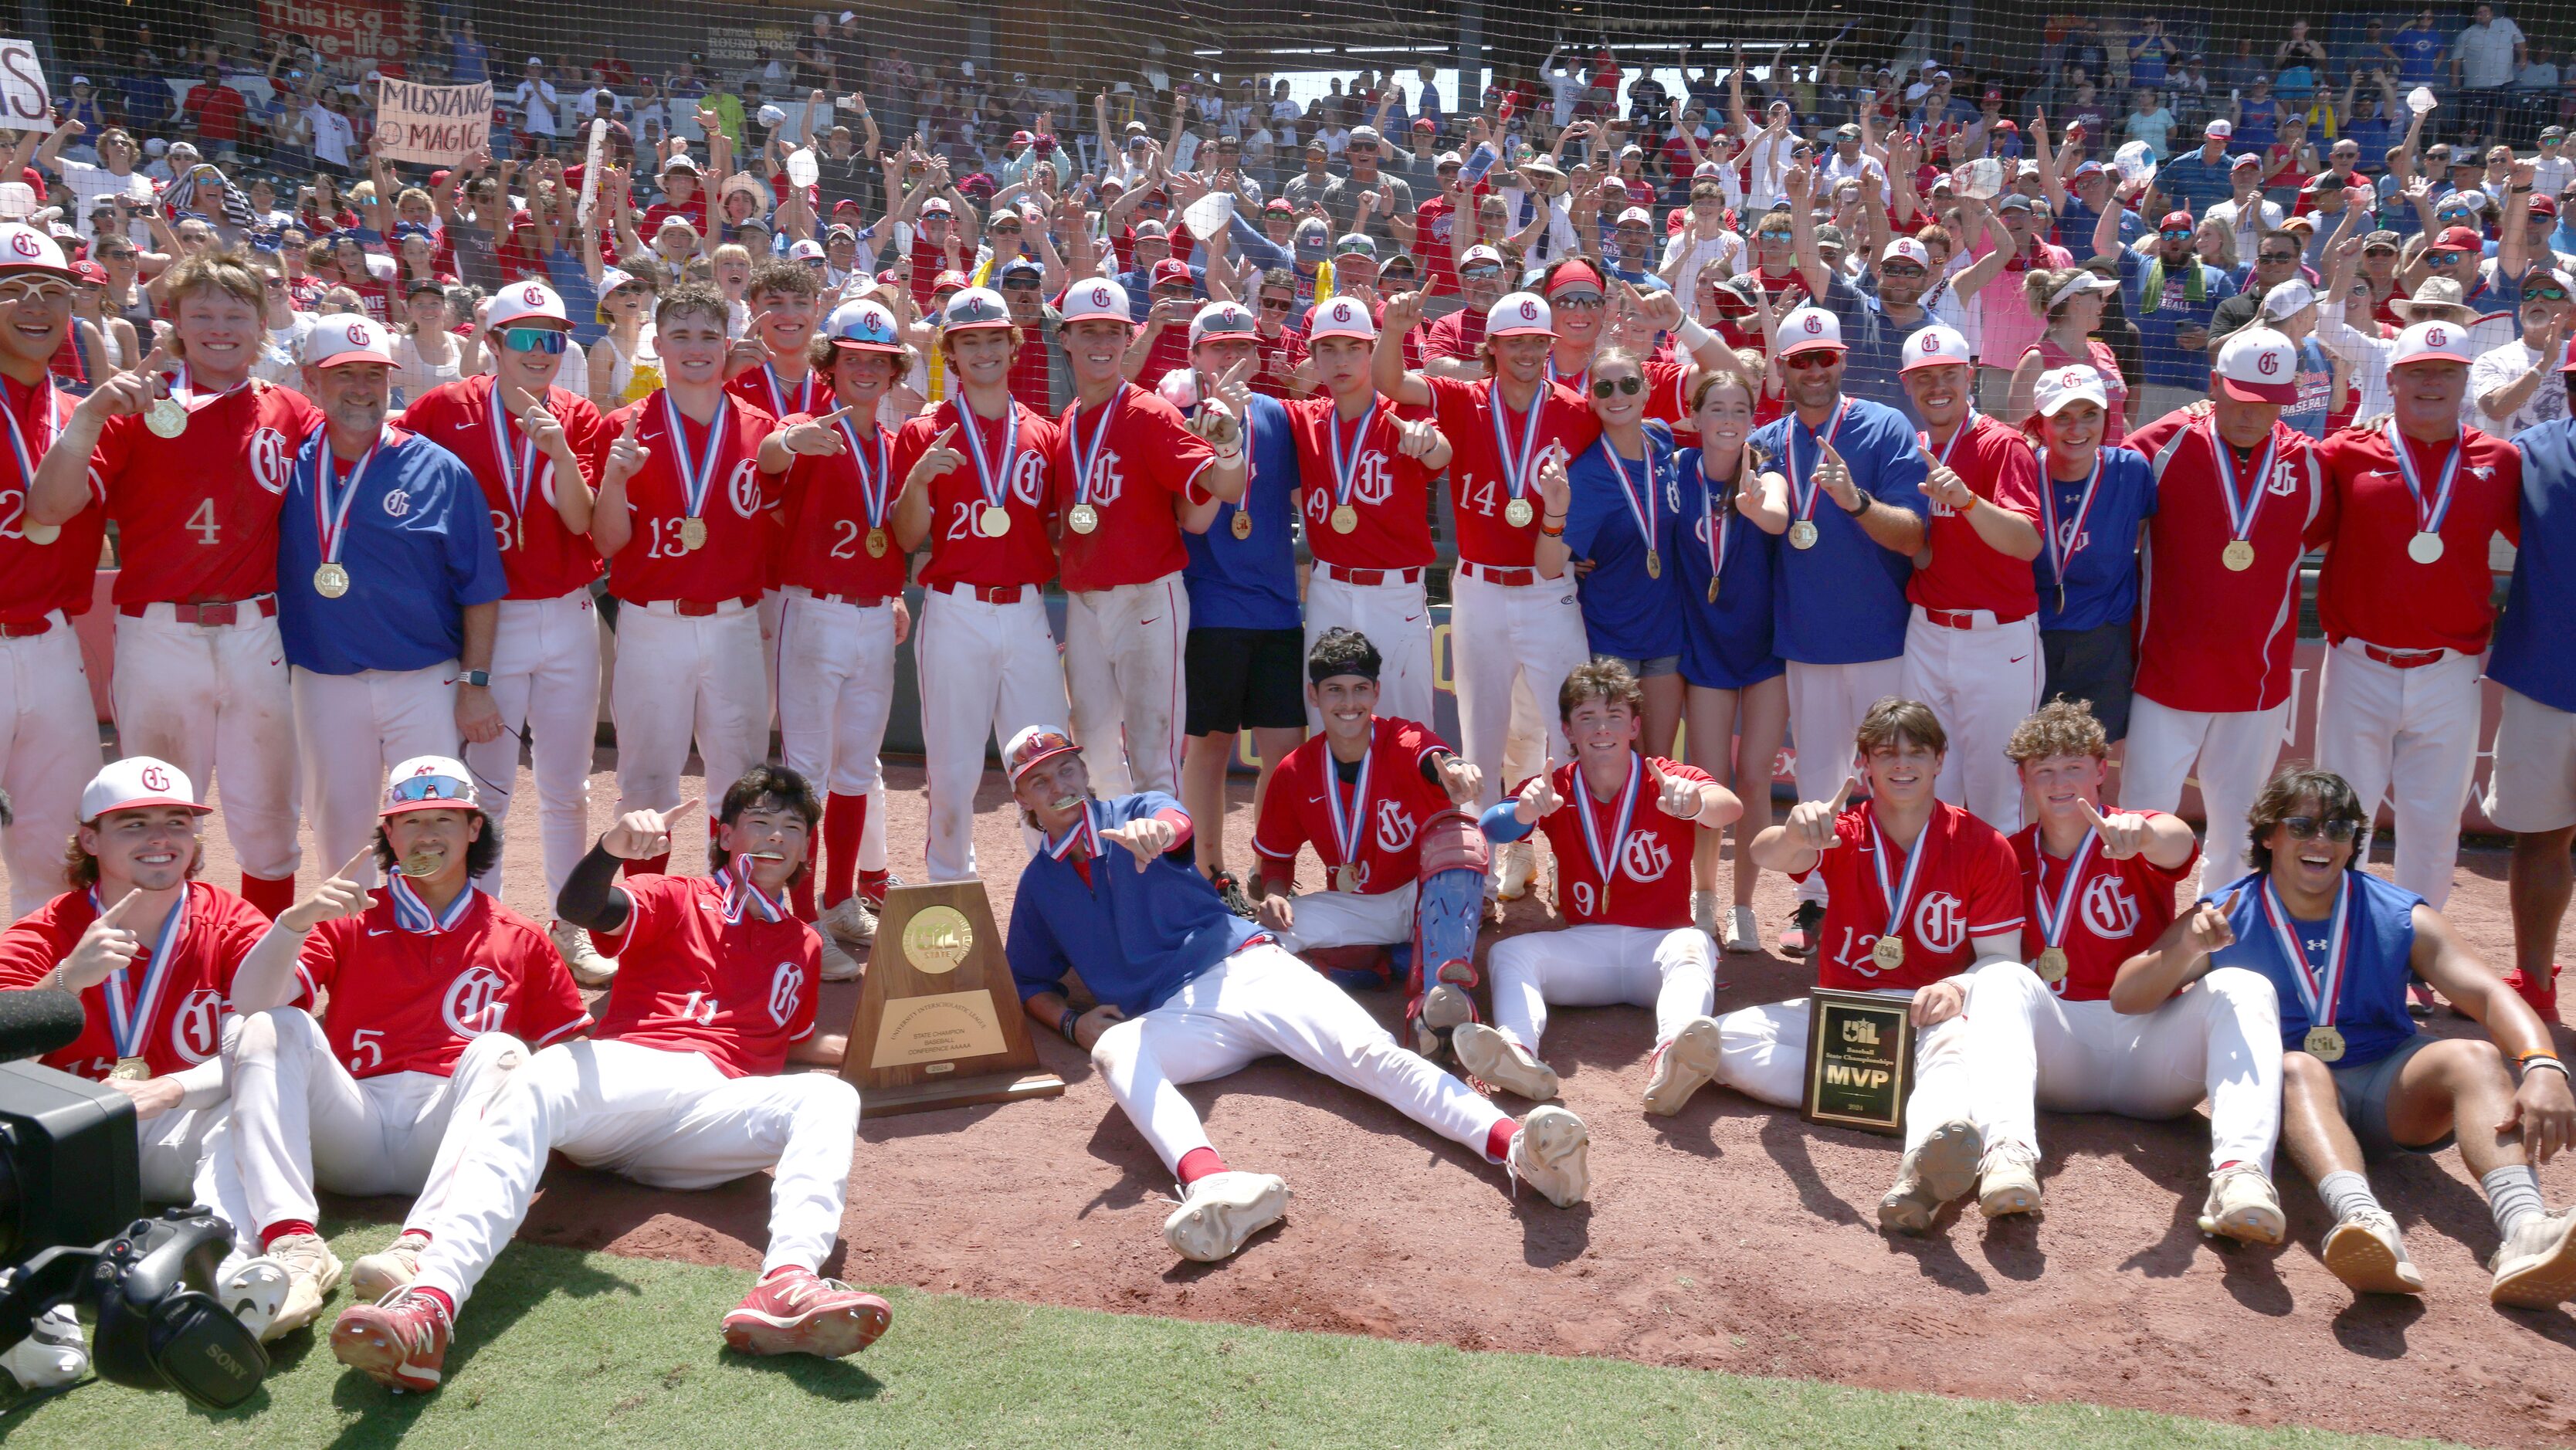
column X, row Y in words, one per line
column 1860, row 1061
column 939, row 1023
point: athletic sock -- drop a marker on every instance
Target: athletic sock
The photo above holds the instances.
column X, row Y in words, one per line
column 1196, row 1164
column 2513, row 1194
column 845, row 820
column 270, row 894
column 2346, row 1193
column 1498, row 1139
column 285, row 1226
column 441, row 1298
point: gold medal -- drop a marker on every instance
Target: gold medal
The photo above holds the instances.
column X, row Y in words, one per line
column 994, row 521
column 167, row 417
column 1889, row 953
column 2052, row 966
column 41, row 534
column 876, row 543
column 130, row 1069
column 2425, row 548
column 1242, row 524
column 421, row 865
column 1082, row 519
column 2324, row 1044
column 1654, row 565
column 1346, row 878
column 1518, row 513
column 693, row 534
column 1345, row 519
column 2238, row 555
column 1802, row 535
column 330, row 581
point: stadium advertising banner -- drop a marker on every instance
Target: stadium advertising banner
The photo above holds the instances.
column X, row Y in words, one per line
column 363, row 30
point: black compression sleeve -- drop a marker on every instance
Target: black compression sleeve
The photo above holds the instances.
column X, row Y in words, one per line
column 590, row 896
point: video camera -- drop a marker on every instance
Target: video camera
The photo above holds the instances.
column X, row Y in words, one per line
column 71, row 1175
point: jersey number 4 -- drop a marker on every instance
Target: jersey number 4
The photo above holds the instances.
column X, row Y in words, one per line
column 203, row 523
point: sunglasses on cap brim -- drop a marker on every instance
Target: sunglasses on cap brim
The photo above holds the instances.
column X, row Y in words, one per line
column 411, row 790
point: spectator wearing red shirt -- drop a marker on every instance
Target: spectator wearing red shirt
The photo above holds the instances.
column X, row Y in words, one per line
column 218, row 112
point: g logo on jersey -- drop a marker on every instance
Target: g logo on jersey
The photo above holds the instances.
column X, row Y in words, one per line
column 2110, row 911
column 1106, row 481
column 786, row 985
column 397, row 503
column 473, row 1004
column 1394, row 827
column 197, row 1025
column 1028, row 478
column 743, row 487
column 1374, row 482
column 1941, row 922
column 270, row 459
column 1645, row 857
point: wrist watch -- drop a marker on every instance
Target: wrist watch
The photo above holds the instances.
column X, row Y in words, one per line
column 1855, row 512
column 479, row 679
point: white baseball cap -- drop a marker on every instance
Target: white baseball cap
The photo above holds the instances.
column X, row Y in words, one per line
column 1637, row 214
column 522, row 302
column 1223, row 319
column 980, row 307
column 805, row 249
column 2220, row 129
column 348, row 340
column 136, row 782
column 1519, row 314
column 2288, row 300
column 2431, row 342
column 2258, row 365
column 1096, row 297
column 2076, row 382
column 1906, row 249
column 1341, row 317
column 25, row 249
column 1932, row 347
column 429, row 783
column 1480, row 253
column 1808, row 329
column 1034, row 743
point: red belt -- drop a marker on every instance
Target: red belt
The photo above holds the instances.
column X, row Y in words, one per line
column 988, row 593
column 23, row 631
column 863, row 601
column 700, row 608
column 219, row 613
column 1964, row 618
column 1366, row 577
column 1508, row 578
column 2403, row 659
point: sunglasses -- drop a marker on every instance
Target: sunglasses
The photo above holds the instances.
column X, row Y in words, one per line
column 2276, row 256
column 430, row 788
column 1579, row 301
column 533, row 339
column 1806, row 361
column 1020, row 284
column 1629, row 386
column 1899, row 269
column 2308, row 828
column 1277, row 304
column 1478, row 273
column 1776, row 236
column 2176, row 234
column 2546, row 292
column 2443, row 259
column 17, row 292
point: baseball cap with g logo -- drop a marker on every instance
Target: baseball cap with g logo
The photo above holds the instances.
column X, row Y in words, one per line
column 25, row 249
column 348, row 340
column 1222, row 319
column 2431, row 342
column 521, row 303
column 2259, row 365
column 1342, row 317
column 1809, row 329
column 1097, row 298
column 863, row 326
column 979, row 307
column 1521, row 314
column 1934, row 346
column 136, row 782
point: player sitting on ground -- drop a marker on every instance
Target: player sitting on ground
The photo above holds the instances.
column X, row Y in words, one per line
column 679, row 1085
column 2357, row 1079
column 435, row 993
column 1188, row 991
column 1630, row 938
column 1379, row 799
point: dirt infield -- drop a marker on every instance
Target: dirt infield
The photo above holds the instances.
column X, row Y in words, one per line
column 1730, row 1237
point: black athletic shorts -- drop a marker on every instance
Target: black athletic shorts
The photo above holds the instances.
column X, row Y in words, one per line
column 1244, row 679
column 2095, row 665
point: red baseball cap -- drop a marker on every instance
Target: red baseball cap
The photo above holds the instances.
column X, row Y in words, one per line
column 2176, row 221
column 2459, row 239
column 1031, row 746
column 1170, row 269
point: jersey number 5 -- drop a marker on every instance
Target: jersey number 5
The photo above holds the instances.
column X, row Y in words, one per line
column 366, row 1049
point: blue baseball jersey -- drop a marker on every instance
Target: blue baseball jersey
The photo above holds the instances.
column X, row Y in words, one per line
column 2372, row 1013
column 2102, row 570
column 2529, row 656
column 1625, row 612
column 1843, row 601
column 1135, row 936
column 1726, row 645
column 418, row 548
column 1251, row 583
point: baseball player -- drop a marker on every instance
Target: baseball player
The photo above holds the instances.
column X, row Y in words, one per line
column 436, row 993
column 1971, row 641
column 2407, row 600
column 2532, row 791
column 2236, row 490
column 534, row 448
column 2357, row 1080
column 1131, row 475
column 1510, row 622
column 767, row 367
column 1925, row 898
column 680, row 1084
column 48, row 725
column 390, row 586
column 192, row 466
column 1188, row 992
column 1621, row 824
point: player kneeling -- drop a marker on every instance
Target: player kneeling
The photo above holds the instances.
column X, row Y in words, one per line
column 1619, row 824
column 1188, row 991
column 678, row 1086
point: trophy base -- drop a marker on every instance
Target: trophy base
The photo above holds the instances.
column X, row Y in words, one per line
column 949, row 1091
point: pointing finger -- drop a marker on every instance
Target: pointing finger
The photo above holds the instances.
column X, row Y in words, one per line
column 1842, row 795
column 2092, row 817
column 115, row 915
column 2229, row 907
column 354, row 862
column 942, row 440
column 627, row 432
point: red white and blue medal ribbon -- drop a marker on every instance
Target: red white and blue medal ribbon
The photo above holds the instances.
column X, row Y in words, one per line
column 2428, row 513
column 330, row 519
column 1967, row 425
column 1516, row 464
column 2241, row 508
column 2062, row 547
column 778, row 399
column 1643, row 514
column 130, row 1007
column 28, row 459
column 741, row 895
column 1712, row 519
column 1086, row 459
column 2320, row 992
column 995, row 483
column 1082, row 831
column 413, row 914
column 1802, row 482
column 519, row 474
column 1605, row 854
column 697, row 475
column 1903, row 896
column 2055, row 909
column 1346, row 463
column 1350, row 826
column 876, row 486
column 1554, row 376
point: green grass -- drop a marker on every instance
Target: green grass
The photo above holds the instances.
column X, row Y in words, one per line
column 569, row 1349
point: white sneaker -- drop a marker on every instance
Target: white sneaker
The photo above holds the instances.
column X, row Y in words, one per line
column 378, row 1274
column 1515, row 865
column 51, row 1356
column 573, row 943
column 2536, row 1267
column 1553, row 1154
column 1490, row 1057
column 851, row 922
column 2243, row 1205
column 1929, row 1176
column 1743, row 933
column 2367, row 1253
column 2008, row 1182
column 1222, row 1210
column 1704, row 912
column 838, row 964
column 1683, row 1066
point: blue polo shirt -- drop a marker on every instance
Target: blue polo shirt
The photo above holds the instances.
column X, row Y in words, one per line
column 1251, row 583
column 1136, row 937
column 2102, row 575
column 1843, row 601
column 2377, row 967
column 1625, row 612
column 2530, row 656
column 418, row 549
column 2192, row 181
column 2168, row 363
column 2075, row 226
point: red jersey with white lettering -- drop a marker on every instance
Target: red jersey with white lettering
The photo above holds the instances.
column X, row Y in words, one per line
column 544, row 559
column 825, row 545
column 1021, row 458
column 1390, row 493
column 1650, row 865
column 1294, row 812
column 1143, row 458
column 688, row 980
column 782, row 397
column 184, row 1021
column 36, row 578
column 2372, row 589
column 196, row 515
column 1966, row 572
column 409, row 1001
column 657, row 563
column 2118, row 910
column 1477, row 490
column 2211, row 639
column 1969, row 886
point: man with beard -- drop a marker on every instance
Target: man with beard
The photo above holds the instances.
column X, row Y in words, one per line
column 2172, row 296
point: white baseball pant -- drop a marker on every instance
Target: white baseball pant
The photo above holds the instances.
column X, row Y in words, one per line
column 1980, row 683
column 1259, row 1001
column 2235, row 752
column 1499, row 634
column 350, row 730
column 214, row 699
column 1122, row 666
column 835, row 671
column 1599, row 965
column 1826, row 703
column 300, row 1121
column 986, row 670
column 772, row 603
column 545, row 683
column 1396, row 617
column 2220, row 1039
column 1348, row 918
column 664, row 1119
column 48, row 751
column 173, row 1145
column 682, row 677
column 2410, row 735
column 2531, row 786
column 1762, row 1053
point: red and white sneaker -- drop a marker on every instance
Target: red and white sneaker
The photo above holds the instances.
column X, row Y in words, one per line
column 798, row 1313
column 2542, row 994
column 400, row 1341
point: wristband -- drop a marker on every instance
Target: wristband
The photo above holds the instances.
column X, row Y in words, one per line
column 1691, row 335
column 2543, row 1059
column 1555, row 531
column 1065, row 1025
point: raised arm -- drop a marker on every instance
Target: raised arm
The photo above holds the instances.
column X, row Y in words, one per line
column 1386, row 362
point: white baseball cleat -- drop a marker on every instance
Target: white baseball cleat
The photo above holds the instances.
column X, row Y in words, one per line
column 1704, row 912
column 51, row 1356
column 1515, row 866
column 374, row 1276
column 1944, row 1167
column 1683, row 1066
column 1743, row 933
column 2008, row 1182
column 850, row 921
column 312, row 1272
column 1220, row 1211
column 1490, row 1057
column 2367, row 1253
column 2243, row 1205
column 573, row 944
column 2535, row 1268
column 838, row 964
column 1552, row 1153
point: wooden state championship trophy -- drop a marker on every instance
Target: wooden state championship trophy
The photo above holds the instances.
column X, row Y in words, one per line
column 939, row 1022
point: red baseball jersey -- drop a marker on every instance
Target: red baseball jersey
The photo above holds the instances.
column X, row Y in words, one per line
column 1969, row 886
column 657, row 562
column 544, row 559
column 1020, row 452
column 1668, row 384
column 2372, row 588
column 688, row 980
column 184, row 1020
column 2118, row 909
column 1966, row 572
column 2213, row 639
column 401, row 1000
column 781, row 397
column 1459, row 335
column 824, row 546
column 1650, row 865
column 1143, row 458
column 196, row 515
column 1390, row 493
column 1294, row 812
column 36, row 578
column 1477, row 491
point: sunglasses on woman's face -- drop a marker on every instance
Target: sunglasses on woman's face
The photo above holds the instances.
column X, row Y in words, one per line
column 2308, row 828
column 1628, row 386
column 1277, row 304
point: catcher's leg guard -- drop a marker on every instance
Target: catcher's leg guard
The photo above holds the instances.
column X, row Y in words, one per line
column 1449, row 908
